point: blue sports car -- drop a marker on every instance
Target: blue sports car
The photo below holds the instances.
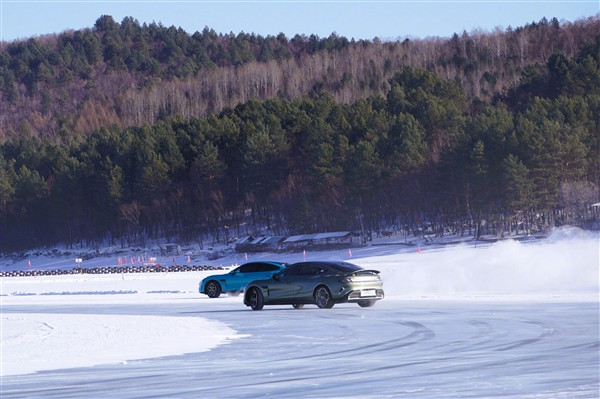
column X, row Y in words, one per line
column 233, row 283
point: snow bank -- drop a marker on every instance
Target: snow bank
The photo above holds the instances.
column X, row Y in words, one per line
column 33, row 342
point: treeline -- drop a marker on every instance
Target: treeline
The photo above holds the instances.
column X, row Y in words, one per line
column 58, row 87
column 425, row 151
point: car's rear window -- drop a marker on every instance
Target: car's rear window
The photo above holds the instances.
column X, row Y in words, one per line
column 345, row 267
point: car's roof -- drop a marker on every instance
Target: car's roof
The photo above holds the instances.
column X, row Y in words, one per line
column 325, row 262
column 340, row 265
column 271, row 262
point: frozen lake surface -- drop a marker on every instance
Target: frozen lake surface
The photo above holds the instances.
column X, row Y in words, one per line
column 399, row 348
column 504, row 320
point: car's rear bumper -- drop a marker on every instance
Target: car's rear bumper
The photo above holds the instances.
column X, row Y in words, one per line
column 361, row 295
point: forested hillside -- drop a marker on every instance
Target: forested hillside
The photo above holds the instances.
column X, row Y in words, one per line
column 128, row 132
column 129, row 74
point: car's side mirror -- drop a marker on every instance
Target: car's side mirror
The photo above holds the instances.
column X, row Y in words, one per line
column 276, row 277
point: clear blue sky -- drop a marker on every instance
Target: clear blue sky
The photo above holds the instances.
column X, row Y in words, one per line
column 366, row 19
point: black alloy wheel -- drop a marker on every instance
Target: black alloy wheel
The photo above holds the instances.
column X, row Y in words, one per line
column 257, row 300
column 212, row 289
column 323, row 297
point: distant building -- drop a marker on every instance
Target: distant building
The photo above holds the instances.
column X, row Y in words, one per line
column 340, row 239
column 258, row 244
column 170, row 249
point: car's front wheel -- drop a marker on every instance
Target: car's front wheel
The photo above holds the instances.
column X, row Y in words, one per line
column 323, row 297
column 257, row 300
column 298, row 305
column 213, row 289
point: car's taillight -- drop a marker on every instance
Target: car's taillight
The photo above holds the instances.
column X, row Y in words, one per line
column 356, row 279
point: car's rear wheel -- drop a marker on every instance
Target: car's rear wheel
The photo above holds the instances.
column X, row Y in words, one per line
column 213, row 289
column 323, row 297
column 367, row 303
column 298, row 305
column 257, row 300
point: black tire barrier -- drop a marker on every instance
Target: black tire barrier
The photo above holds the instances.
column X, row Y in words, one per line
column 109, row 270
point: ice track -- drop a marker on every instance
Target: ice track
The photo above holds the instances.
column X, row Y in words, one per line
column 399, row 348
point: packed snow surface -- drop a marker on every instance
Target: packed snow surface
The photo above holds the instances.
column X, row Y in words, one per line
column 508, row 318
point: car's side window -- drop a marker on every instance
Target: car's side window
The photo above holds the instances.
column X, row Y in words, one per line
column 302, row 270
column 266, row 267
column 291, row 271
column 310, row 269
column 249, row 268
column 319, row 270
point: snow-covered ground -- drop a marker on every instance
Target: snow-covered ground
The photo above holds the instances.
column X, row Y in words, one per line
column 470, row 306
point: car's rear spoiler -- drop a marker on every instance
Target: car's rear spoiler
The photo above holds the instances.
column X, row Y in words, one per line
column 364, row 271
